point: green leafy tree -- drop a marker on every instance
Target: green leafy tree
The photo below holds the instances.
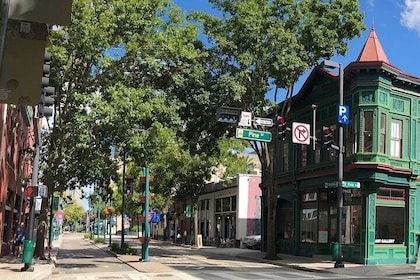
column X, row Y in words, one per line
column 262, row 45
column 72, row 213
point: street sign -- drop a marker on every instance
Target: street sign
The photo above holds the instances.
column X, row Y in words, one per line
column 343, row 114
column 228, row 114
column 346, row 184
column 264, row 122
column 251, row 134
column 351, row 185
column 330, row 185
column 42, row 191
column 246, row 118
column 301, row 133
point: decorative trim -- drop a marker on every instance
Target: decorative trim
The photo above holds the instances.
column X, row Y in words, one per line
column 398, row 105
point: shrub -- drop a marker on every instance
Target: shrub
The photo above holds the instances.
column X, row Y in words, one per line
column 86, row 235
column 99, row 240
column 125, row 250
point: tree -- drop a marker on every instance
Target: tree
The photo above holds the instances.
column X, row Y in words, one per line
column 87, row 71
column 263, row 45
column 72, row 213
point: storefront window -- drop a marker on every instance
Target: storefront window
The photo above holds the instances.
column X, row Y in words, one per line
column 309, row 218
column 308, row 227
column 389, row 225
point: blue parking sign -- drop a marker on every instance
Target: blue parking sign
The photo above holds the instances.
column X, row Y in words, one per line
column 343, row 114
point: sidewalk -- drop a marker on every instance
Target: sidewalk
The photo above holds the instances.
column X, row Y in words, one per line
column 10, row 266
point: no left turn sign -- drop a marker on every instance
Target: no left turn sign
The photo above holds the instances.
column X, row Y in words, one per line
column 301, row 133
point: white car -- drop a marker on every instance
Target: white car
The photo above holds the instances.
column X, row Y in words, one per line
column 252, row 241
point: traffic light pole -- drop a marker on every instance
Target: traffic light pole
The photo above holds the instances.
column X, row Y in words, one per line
column 340, row 148
column 28, row 252
column 3, row 29
column 339, row 262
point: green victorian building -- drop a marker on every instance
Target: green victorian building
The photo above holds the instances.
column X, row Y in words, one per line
column 381, row 218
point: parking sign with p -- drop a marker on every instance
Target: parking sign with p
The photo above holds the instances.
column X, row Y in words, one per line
column 343, row 114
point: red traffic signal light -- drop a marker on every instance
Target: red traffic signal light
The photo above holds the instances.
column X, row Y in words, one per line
column 31, row 191
column 328, row 137
column 282, row 123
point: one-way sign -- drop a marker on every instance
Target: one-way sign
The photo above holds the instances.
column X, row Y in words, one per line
column 264, row 122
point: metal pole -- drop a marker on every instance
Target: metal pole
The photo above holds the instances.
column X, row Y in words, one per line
column 4, row 18
column 339, row 262
column 123, row 198
column 110, row 219
column 50, row 235
column 145, row 257
column 314, row 107
column 30, row 228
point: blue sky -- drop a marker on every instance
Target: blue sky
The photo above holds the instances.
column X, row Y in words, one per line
column 396, row 22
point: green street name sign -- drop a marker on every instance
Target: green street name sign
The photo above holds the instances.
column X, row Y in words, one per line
column 346, row 184
column 251, row 134
column 351, row 185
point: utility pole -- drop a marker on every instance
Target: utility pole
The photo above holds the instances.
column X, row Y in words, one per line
column 28, row 247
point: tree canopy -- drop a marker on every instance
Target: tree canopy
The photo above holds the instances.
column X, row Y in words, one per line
column 139, row 78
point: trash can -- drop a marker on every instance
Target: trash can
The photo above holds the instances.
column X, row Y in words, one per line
column 334, row 251
column 28, row 251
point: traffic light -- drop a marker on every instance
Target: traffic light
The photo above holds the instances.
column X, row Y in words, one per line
column 46, row 99
column 328, row 137
column 282, row 123
column 32, row 191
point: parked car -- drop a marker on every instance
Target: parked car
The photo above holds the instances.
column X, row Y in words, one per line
column 252, row 241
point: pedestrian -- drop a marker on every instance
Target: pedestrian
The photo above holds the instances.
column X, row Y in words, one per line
column 20, row 238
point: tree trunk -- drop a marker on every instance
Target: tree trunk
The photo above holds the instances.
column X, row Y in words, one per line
column 270, row 183
column 42, row 231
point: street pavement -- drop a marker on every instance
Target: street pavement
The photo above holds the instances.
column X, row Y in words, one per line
column 10, row 266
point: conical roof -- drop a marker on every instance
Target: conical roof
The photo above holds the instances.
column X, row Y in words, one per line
column 372, row 50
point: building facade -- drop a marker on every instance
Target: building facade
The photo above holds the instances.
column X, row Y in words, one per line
column 17, row 140
column 231, row 211
column 381, row 219
column 226, row 211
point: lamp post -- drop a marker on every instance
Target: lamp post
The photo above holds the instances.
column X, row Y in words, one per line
column 332, row 64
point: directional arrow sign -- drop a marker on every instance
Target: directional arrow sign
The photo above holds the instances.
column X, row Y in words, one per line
column 251, row 134
column 264, row 122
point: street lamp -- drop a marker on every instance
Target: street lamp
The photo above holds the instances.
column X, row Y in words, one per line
column 332, row 64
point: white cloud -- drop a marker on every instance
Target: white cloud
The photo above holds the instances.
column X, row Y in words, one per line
column 371, row 3
column 410, row 15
